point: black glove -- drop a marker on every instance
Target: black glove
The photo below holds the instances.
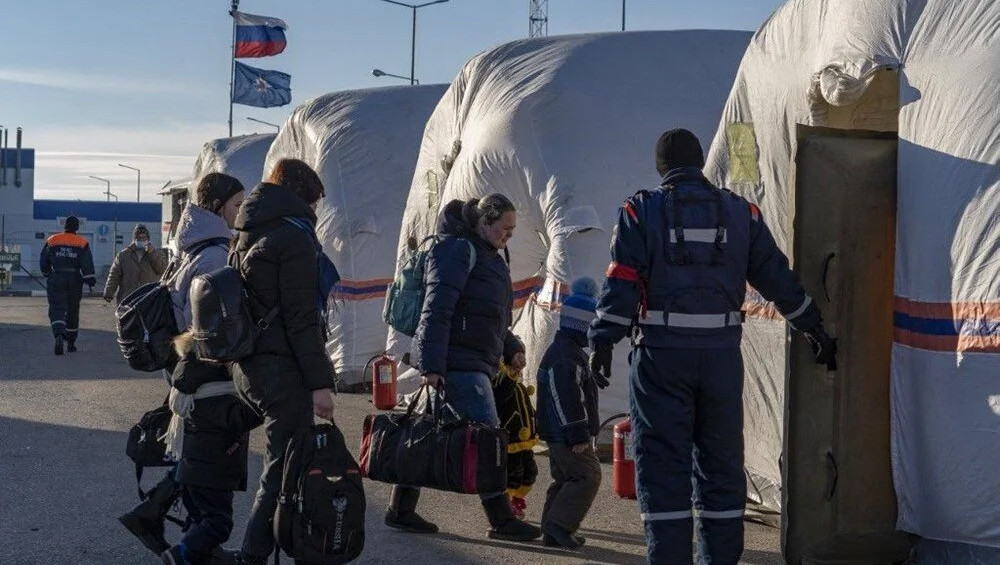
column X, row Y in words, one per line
column 824, row 347
column 600, row 365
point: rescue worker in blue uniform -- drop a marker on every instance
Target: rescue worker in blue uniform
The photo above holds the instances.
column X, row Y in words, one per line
column 682, row 255
column 67, row 263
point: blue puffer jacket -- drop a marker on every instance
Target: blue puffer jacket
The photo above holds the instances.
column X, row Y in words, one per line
column 465, row 323
column 567, row 396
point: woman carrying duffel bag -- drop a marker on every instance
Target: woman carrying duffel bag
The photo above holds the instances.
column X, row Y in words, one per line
column 464, row 333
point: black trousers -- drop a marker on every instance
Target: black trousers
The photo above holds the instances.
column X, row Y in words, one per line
column 64, row 291
column 287, row 410
column 575, row 480
column 211, row 513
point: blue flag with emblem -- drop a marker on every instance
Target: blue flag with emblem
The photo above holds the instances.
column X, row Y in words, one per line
column 261, row 88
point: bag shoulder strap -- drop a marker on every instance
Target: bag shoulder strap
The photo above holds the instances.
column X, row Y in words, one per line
column 188, row 255
column 472, row 256
column 235, row 261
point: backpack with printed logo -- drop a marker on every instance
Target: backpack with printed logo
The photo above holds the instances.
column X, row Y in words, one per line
column 404, row 299
column 145, row 318
column 320, row 517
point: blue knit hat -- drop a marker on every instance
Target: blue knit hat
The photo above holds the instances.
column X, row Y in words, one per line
column 578, row 309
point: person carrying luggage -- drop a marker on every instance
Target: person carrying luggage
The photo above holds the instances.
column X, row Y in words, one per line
column 289, row 376
column 463, row 334
column 213, row 457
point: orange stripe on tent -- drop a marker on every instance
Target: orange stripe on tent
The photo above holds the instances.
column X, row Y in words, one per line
column 364, row 283
column 948, row 310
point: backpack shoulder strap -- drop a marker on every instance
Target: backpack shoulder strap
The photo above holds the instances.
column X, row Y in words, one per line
column 472, row 255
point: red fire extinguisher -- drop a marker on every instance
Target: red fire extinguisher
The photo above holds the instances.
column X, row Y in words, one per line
column 623, row 469
column 383, row 382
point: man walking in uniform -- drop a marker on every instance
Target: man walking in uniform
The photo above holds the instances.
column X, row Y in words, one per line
column 67, row 263
column 682, row 255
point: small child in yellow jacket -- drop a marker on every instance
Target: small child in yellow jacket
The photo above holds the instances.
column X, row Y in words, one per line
column 517, row 416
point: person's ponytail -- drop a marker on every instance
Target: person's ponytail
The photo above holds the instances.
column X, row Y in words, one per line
column 491, row 208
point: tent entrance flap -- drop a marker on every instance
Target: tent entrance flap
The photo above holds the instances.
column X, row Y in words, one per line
column 838, row 499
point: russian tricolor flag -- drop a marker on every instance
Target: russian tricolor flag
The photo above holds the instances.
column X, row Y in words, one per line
column 258, row 36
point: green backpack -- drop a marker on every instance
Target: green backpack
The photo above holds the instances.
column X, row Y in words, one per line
column 404, row 299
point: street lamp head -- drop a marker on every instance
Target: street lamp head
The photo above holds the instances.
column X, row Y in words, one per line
column 378, row 72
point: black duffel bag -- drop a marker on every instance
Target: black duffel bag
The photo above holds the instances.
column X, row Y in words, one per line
column 145, row 445
column 436, row 449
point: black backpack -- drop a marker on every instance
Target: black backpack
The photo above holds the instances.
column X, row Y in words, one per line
column 146, row 321
column 222, row 324
column 147, row 327
column 320, row 518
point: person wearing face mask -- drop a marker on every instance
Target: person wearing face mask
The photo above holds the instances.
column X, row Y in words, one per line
column 213, row 457
column 138, row 264
column 289, row 376
column 464, row 333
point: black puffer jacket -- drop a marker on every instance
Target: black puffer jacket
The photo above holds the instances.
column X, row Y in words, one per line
column 465, row 323
column 216, row 434
column 279, row 263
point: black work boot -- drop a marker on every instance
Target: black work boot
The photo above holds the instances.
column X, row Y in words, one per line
column 503, row 524
column 71, row 345
column 59, row 345
column 557, row 536
column 145, row 521
column 402, row 514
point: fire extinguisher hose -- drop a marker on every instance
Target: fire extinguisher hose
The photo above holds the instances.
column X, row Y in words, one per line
column 605, row 423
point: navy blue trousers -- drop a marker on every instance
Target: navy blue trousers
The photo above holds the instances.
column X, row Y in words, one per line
column 64, row 291
column 687, row 417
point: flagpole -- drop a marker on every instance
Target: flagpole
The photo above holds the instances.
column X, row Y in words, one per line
column 232, row 66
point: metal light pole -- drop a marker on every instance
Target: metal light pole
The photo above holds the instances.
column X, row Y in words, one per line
column 413, row 35
column 381, row 73
column 623, row 15
column 114, row 244
column 275, row 126
column 108, row 191
column 138, row 179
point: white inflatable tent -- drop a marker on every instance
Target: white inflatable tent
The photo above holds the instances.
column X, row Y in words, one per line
column 241, row 156
column 566, row 126
column 928, row 71
column 364, row 145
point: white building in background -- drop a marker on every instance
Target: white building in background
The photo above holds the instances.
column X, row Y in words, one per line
column 25, row 223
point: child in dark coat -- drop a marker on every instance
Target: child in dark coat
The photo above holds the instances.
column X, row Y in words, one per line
column 568, row 420
column 209, row 438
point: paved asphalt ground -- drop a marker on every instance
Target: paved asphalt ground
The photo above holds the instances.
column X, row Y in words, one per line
column 64, row 477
